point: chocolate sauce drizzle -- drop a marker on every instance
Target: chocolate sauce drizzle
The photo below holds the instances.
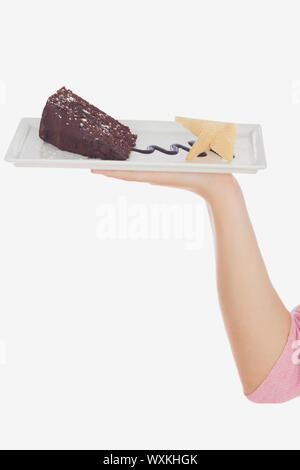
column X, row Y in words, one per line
column 174, row 149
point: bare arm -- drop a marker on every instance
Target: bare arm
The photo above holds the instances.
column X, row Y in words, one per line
column 256, row 321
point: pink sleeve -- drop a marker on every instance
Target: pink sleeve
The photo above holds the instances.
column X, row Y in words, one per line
column 283, row 382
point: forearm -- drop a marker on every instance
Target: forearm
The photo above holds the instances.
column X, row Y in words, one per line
column 255, row 318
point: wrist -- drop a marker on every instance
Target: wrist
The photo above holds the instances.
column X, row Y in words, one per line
column 218, row 188
column 229, row 196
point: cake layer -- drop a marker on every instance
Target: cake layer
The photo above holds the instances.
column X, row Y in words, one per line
column 72, row 124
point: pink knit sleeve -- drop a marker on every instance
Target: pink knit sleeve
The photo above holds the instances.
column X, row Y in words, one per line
column 283, row 382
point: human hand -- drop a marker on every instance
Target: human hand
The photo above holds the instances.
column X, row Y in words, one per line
column 206, row 185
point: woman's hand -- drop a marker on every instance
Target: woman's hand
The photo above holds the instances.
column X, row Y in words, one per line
column 206, row 185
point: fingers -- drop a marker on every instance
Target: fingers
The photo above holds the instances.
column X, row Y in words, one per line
column 123, row 175
column 153, row 177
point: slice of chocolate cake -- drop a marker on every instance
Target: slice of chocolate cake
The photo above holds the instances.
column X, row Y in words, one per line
column 71, row 123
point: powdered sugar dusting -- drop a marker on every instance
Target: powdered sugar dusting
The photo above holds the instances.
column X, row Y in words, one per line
column 90, row 120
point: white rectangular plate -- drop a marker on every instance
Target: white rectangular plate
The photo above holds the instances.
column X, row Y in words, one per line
column 27, row 149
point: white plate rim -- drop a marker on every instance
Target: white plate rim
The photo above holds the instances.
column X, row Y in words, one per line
column 90, row 163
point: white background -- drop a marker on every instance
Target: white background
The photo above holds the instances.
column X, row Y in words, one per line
column 111, row 344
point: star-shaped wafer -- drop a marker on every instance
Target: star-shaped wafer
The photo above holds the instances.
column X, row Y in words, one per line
column 214, row 135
